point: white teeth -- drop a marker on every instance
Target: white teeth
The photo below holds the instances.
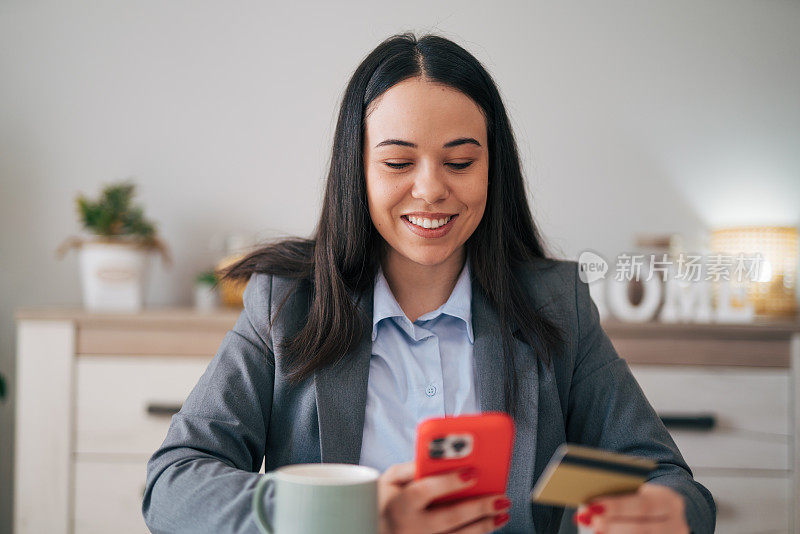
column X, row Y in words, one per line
column 428, row 223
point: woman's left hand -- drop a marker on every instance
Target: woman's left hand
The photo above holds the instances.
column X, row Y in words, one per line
column 653, row 509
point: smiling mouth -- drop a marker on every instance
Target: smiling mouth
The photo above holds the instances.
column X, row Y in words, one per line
column 426, row 223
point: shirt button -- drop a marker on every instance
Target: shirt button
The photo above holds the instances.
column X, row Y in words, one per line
column 430, row 390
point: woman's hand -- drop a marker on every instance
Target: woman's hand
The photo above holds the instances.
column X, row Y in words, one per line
column 653, row 509
column 403, row 502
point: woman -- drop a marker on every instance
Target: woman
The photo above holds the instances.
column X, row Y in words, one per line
column 424, row 291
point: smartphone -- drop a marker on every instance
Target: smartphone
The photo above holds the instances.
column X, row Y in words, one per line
column 482, row 441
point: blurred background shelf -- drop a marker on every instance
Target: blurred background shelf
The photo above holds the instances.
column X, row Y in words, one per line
column 764, row 343
column 96, row 393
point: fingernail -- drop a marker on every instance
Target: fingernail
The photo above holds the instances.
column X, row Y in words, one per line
column 585, row 518
column 499, row 504
column 597, row 508
column 500, row 519
column 467, row 474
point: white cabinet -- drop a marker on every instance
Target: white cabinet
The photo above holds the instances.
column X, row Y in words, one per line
column 122, row 412
column 745, row 460
column 746, row 380
column 95, row 397
column 124, row 403
column 750, row 408
column 108, row 495
column 747, row 503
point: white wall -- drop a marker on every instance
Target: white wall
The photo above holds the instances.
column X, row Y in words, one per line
column 631, row 117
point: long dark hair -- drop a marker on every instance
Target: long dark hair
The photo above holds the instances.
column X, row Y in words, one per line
column 343, row 255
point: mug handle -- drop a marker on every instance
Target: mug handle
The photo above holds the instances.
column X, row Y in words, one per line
column 259, row 514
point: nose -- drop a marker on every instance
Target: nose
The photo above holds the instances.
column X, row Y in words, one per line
column 429, row 184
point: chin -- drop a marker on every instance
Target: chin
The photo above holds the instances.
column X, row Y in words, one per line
column 428, row 257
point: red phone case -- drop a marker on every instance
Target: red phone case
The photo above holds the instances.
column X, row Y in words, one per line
column 482, row 441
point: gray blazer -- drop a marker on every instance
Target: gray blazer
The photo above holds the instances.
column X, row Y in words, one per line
column 244, row 410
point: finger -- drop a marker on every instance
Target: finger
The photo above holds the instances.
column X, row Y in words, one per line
column 634, row 527
column 485, row 524
column 428, row 489
column 673, row 525
column 456, row 515
column 639, row 505
column 399, row 473
column 583, row 515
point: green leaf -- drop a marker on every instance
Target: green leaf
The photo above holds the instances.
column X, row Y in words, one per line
column 206, row 277
column 113, row 215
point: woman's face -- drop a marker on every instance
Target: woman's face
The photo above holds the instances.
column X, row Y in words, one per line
column 427, row 169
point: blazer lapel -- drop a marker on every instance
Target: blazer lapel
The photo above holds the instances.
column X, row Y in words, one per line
column 489, row 366
column 341, row 391
column 487, row 352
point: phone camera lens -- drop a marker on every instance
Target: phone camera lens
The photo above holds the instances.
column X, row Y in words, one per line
column 458, row 445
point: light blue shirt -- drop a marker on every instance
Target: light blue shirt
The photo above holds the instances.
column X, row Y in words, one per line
column 417, row 370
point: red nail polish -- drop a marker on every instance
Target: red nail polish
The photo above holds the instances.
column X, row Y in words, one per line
column 500, row 519
column 585, row 518
column 597, row 508
column 467, row 474
column 499, row 504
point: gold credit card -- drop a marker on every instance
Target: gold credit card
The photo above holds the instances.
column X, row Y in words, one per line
column 577, row 474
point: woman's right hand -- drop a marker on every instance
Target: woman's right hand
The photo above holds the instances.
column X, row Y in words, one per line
column 403, row 502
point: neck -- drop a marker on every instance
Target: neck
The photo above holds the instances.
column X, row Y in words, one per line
column 418, row 288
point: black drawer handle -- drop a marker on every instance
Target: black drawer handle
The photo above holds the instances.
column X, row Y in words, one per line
column 689, row 422
column 162, row 409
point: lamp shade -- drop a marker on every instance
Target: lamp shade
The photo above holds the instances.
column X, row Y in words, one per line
column 773, row 288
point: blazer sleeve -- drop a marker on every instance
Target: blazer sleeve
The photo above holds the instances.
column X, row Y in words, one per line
column 203, row 476
column 608, row 409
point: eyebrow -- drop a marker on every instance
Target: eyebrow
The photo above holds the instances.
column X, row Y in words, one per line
column 449, row 144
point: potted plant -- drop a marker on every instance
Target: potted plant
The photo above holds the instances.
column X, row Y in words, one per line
column 205, row 294
column 114, row 259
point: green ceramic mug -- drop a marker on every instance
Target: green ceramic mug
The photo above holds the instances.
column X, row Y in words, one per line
column 313, row 498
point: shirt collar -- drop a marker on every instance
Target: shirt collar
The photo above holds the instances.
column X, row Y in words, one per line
column 458, row 305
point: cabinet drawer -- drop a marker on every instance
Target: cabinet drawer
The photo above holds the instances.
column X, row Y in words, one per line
column 108, row 497
column 750, row 504
column 123, row 403
column 751, row 408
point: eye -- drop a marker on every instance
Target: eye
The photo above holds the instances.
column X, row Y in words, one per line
column 394, row 165
column 459, row 166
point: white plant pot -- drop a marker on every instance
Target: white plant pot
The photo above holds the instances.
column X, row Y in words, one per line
column 113, row 276
column 205, row 297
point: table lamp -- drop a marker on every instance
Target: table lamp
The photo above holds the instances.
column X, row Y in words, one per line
column 773, row 291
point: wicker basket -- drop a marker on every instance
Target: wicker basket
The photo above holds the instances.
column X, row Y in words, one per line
column 231, row 292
